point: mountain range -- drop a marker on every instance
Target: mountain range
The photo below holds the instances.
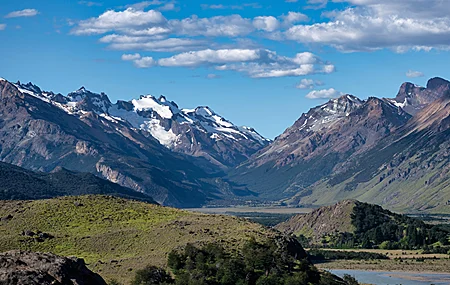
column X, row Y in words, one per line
column 375, row 150
column 389, row 151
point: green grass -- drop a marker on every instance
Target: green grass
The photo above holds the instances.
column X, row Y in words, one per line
column 117, row 236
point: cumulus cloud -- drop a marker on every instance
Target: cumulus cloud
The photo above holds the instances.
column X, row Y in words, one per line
column 414, row 74
column 256, row 63
column 324, row 94
column 266, row 23
column 371, row 25
column 309, row 84
column 2, row 27
column 139, row 61
column 192, row 40
column 23, row 13
column 294, row 17
column 119, row 21
column 144, row 62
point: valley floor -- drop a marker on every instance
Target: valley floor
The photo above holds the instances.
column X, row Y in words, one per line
column 247, row 209
column 399, row 260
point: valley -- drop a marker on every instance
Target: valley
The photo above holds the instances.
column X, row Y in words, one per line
column 169, row 142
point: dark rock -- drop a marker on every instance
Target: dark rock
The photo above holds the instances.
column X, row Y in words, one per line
column 28, row 233
column 29, row 268
column 7, row 218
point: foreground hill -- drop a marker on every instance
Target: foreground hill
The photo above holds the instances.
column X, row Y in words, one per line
column 351, row 223
column 117, row 236
column 21, row 184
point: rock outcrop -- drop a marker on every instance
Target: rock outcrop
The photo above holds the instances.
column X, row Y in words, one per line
column 30, row 268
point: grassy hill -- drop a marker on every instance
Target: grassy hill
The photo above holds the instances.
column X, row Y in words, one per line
column 117, row 236
column 353, row 224
column 322, row 221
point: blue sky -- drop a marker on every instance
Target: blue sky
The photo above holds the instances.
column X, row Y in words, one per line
column 257, row 63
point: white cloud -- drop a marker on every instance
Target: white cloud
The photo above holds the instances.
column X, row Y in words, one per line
column 168, row 7
column 131, row 56
column 144, row 62
column 232, row 7
column 324, row 94
column 2, row 27
column 371, row 25
column 206, row 57
column 309, row 84
column 256, row 63
column 413, row 74
column 139, row 61
column 90, row 3
column 218, row 26
column 192, row 38
column 266, row 23
column 212, row 76
column 165, row 45
column 23, row 13
column 119, row 21
column 144, row 4
column 316, row 4
column 294, row 17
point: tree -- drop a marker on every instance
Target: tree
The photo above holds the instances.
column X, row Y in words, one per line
column 152, row 275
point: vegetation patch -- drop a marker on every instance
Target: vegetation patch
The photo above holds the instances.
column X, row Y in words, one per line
column 116, row 236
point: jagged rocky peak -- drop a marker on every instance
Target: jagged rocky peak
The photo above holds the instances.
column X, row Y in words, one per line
column 192, row 131
column 85, row 100
column 437, row 82
column 30, row 87
column 413, row 98
column 344, row 104
column 326, row 115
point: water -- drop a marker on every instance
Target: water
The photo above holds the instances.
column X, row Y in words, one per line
column 395, row 278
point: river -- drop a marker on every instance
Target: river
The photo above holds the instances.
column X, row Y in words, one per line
column 395, row 278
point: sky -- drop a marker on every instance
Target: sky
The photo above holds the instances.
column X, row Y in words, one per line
column 257, row 63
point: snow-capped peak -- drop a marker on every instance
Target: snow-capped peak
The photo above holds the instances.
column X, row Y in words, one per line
column 161, row 106
column 190, row 131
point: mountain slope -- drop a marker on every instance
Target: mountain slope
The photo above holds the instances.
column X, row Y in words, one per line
column 41, row 135
column 408, row 171
column 20, row 184
column 117, row 236
column 318, row 141
column 199, row 132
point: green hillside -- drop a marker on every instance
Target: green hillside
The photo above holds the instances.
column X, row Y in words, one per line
column 117, row 236
column 353, row 224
